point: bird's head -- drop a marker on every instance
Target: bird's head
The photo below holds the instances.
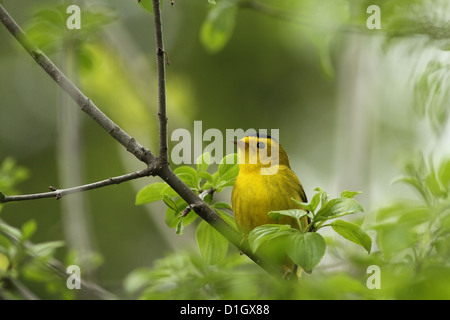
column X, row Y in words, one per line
column 261, row 152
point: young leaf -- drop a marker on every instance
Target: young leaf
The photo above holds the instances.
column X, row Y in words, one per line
column 311, row 206
column 4, row 263
column 213, row 246
column 188, row 175
column 227, row 171
column 205, row 175
column 170, row 203
column 433, row 185
column 46, row 248
column 337, row 208
column 324, row 196
column 224, row 184
column 179, row 228
column 227, row 217
column 172, row 217
column 306, row 249
column 218, row 26
column 221, row 205
column 154, row 192
column 203, row 162
column 267, row 232
column 352, row 232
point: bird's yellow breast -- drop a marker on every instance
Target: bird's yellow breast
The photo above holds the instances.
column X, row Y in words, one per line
column 254, row 195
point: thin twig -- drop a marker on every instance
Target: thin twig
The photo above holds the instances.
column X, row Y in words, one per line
column 58, row 193
column 160, row 55
column 70, row 88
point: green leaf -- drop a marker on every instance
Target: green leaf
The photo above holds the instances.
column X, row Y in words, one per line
column 179, row 228
column 228, row 170
column 172, row 217
column 228, row 218
column 154, row 192
column 170, row 203
column 4, row 263
column 294, row 213
column 324, row 196
column 352, row 232
column 306, row 249
column 203, row 162
column 432, row 183
column 205, row 175
column 213, row 246
column 218, row 27
column 224, row 184
column 46, row 248
column 212, row 1
column 444, row 174
column 28, row 229
column 267, row 232
column 349, row 194
column 337, row 208
column 221, row 205
column 188, row 175
column 146, row 5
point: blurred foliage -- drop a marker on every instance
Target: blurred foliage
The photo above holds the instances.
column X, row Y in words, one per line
column 21, row 260
column 45, row 29
column 11, row 175
column 212, row 245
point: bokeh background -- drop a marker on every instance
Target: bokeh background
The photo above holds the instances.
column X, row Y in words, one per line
column 353, row 105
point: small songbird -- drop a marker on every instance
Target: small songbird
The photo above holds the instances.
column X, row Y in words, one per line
column 265, row 183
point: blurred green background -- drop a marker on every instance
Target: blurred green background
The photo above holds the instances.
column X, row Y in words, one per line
column 353, row 105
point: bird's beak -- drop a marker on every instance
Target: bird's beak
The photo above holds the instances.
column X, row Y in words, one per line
column 239, row 143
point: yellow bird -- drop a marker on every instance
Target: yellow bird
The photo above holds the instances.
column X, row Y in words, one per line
column 265, row 183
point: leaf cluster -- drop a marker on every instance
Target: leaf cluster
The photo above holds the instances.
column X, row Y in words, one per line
column 304, row 245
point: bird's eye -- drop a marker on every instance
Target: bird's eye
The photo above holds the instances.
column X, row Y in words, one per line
column 260, row 145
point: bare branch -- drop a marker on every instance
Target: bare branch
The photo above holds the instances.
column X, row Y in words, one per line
column 70, row 88
column 58, row 193
column 156, row 165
